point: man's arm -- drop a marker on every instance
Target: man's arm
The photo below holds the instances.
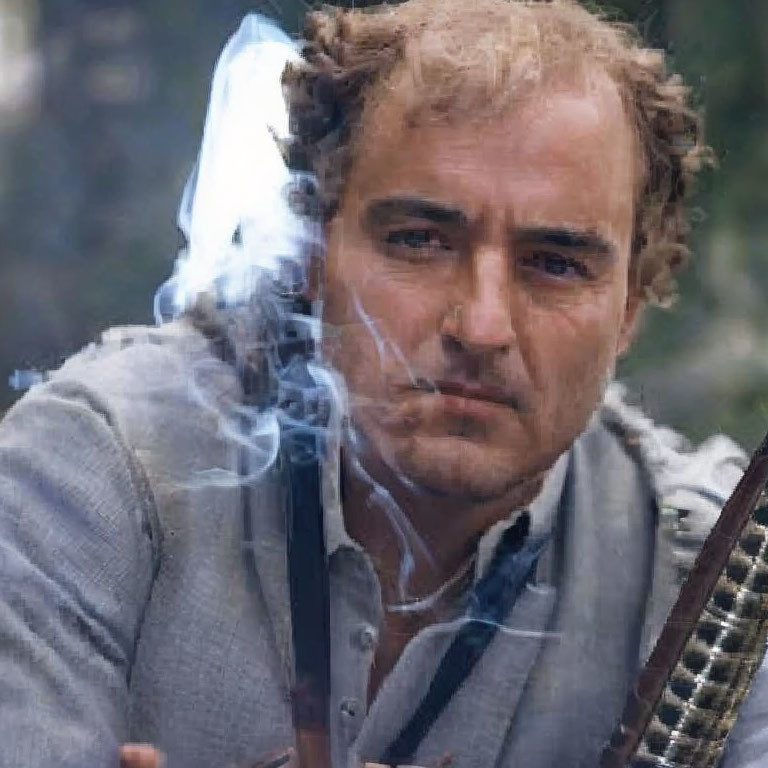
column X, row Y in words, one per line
column 76, row 565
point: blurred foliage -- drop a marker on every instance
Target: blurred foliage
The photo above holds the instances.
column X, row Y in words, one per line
column 703, row 366
column 89, row 187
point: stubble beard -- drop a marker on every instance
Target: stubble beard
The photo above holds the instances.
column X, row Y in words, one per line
column 455, row 470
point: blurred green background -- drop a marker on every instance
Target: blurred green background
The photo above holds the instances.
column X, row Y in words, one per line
column 101, row 108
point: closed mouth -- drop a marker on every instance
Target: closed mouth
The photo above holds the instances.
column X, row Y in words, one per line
column 471, row 391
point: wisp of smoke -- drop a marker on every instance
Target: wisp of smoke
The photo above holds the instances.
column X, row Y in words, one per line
column 234, row 212
column 247, row 248
column 245, row 245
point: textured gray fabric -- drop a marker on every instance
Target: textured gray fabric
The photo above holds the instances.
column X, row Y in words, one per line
column 133, row 607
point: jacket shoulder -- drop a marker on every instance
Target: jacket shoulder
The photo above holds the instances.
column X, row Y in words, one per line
column 690, row 486
column 693, row 482
column 150, row 380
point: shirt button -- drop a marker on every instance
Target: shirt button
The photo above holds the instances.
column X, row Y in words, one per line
column 349, row 708
column 365, row 638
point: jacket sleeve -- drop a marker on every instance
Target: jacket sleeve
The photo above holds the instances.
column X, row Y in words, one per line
column 77, row 557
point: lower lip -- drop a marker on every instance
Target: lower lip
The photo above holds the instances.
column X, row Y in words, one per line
column 472, row 407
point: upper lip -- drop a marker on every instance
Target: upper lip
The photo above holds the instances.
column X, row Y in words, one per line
column 473, row 390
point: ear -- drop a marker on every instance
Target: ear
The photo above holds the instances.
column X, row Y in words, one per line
column 633, row 312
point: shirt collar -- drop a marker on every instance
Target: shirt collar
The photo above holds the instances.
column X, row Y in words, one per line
column 336, row 535
column 542, row 510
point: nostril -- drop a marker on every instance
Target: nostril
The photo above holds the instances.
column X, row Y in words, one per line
column 451, row 344
column 486, row 323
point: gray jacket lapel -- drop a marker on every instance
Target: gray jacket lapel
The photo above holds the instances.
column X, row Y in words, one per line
column 472, row 727
column 576, row 689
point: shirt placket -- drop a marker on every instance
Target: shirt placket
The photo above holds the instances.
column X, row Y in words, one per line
column 356, row 616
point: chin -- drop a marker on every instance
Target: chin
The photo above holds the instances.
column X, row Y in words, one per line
column 460, row 468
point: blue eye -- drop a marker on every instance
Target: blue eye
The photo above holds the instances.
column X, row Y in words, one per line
column 555, row 264
column 417, row 238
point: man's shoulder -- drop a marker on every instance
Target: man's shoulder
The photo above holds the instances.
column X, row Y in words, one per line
column 157, row 389
column 689, row 485
column 127, row 357
column 696, row 479
column 134, row 370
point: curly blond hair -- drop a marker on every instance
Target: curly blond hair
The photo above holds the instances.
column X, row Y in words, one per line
column 455, row 57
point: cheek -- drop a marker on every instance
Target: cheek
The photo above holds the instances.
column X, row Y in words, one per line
column 386, row 319
column 571, row 350
column 568, row 356
column 404, row 305
column 408, row 311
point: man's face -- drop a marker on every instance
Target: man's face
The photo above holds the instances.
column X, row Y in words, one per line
column 478, row 273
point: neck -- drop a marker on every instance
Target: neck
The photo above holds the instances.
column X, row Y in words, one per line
column 418, row 540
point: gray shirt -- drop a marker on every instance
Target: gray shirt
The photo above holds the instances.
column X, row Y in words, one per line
column 135, row 607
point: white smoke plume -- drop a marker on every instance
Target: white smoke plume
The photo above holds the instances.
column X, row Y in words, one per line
column 234, row 212
column 242, row 239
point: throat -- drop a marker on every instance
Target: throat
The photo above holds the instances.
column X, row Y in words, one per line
column 422, row 547
column 405, row 619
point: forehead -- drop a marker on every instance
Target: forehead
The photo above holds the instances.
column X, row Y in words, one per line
column 562, row 151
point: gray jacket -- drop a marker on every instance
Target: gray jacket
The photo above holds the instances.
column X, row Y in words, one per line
column 133, row 606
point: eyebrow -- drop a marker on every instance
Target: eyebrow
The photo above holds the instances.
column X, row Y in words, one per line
column 380, row 211
column 566, row 237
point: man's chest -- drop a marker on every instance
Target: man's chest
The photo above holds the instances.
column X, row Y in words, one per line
column 211, row 682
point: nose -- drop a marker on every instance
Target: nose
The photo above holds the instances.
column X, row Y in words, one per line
column 481, row 319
